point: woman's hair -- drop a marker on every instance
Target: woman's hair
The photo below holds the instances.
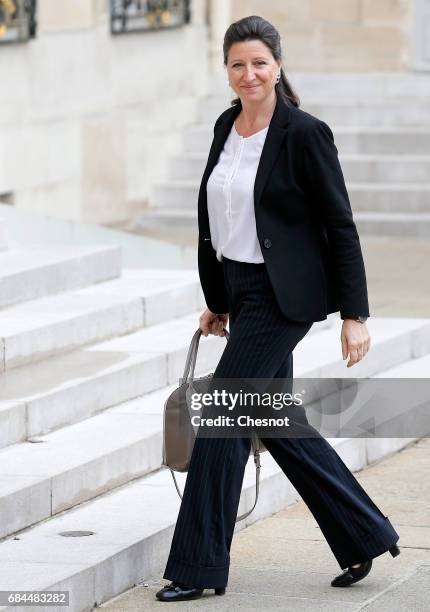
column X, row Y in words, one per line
column 257, row 28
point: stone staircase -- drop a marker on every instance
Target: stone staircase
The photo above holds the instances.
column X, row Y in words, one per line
column 90, row 352
column 381, row 125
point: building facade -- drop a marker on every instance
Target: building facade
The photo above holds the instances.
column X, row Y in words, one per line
column 94, row 101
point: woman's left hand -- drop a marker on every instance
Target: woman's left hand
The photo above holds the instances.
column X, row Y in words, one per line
column 355, row 341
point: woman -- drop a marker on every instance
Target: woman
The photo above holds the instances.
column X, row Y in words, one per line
column 278, row 250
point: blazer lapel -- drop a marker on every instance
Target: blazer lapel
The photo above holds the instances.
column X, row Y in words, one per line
column 272, row 145
column 271, row 148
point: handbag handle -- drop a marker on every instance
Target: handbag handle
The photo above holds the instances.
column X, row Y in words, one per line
column 192, row 354
column 257, row 479
column 191, row 362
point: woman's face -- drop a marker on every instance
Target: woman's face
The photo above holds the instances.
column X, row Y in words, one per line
column 252, row 70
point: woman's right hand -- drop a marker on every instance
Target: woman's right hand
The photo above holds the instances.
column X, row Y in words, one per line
column 212, row 323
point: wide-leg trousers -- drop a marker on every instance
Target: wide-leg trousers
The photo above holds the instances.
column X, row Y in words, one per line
column 261, row 345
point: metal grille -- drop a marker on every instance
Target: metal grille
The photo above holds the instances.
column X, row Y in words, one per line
column 17, row 20
column 147, row 15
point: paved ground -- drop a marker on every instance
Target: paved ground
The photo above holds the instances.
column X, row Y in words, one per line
column 284, row 563
column 397, row 276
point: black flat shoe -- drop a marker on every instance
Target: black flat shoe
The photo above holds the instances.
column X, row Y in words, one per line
column 175, row 591
column 394, row 550
column 352, row 574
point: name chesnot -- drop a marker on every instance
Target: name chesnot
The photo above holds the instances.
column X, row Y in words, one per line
column 243, row 420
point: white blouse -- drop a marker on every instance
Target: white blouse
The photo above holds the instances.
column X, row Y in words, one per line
column 230, row 198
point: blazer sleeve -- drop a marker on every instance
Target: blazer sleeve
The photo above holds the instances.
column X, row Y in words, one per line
column 211, row 271
column 330, row 196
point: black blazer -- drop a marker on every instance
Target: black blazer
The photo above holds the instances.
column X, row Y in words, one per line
column 304, row 221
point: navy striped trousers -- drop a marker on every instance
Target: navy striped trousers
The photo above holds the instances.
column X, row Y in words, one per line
column 261, row 345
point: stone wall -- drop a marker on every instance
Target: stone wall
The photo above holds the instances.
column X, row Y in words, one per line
column 339, row 35
column 84, row 115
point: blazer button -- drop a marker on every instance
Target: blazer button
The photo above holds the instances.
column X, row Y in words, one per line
column 267, row 243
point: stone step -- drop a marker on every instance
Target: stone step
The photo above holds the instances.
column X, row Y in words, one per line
column 166, row 293
column 356, row 168
column 126, row 441
column 411, row 111
column 3, row 235
column 179, row 217
column 415, row 225
column 55, row 324
column 50, row 326
column 390, row 197
column 171, row 224
column 181, row 194
column 383, row 112
column 35, row 271
column 370, row 197
column 130, row 528
column 394, row 341
column 348, row 139
column 344, row 85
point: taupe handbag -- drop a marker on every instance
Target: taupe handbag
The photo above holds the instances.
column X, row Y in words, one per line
column 179, row 433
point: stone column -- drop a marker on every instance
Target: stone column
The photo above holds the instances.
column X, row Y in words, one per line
column 198, row 12
column 219, row 20
column 420, row 44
